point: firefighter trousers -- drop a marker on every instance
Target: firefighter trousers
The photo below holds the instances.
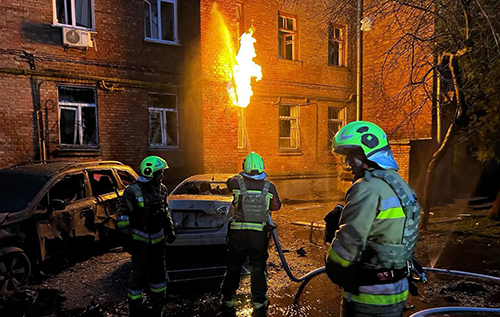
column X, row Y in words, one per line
column 148, row 270
column 242, row 244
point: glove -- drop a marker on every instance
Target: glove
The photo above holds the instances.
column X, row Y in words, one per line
column 171, row 237
column 345, row 277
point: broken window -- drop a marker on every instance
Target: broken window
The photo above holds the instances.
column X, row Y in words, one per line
column 287, row 37
column 163, row 120
column 289, row 130
column 336, row 45
column 160, row 20
column 75, row 13
column 102, row 182
column 336, row 120
column 69, row 189
column 78, row 116
column 126, row 178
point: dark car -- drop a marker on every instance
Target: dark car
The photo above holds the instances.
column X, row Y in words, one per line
column 43, row 206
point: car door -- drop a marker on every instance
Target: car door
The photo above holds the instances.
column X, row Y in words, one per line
column 105, row 191
column 70, row 211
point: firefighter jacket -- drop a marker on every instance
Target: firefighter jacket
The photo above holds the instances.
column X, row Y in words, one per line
column 378, row 233
column 253, row 199
column 143, row 213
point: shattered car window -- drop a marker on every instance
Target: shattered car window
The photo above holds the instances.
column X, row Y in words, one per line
column 203, row 188
column 18, row 189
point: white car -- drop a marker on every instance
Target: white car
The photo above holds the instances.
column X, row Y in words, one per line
column 200, row 208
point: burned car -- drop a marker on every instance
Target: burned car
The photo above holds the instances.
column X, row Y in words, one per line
column 44, row 206
column 200, row 207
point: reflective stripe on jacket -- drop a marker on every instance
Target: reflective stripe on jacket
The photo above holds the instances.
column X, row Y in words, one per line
column 371, row 230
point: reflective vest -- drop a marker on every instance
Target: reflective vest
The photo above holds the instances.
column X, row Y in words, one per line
column 253, row 213
column 396, row 255
column 149, row 215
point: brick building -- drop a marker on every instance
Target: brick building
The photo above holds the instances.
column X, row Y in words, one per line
column 304, row 97
column 151, row 77
column 92, row 80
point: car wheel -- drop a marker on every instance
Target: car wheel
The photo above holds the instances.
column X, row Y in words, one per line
column 15, row 269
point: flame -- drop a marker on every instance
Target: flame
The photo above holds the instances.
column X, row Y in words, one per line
column 243, row 71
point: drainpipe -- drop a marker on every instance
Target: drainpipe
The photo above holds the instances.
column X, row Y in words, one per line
column 359, row 86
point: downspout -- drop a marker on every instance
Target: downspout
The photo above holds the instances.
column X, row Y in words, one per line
column 359, row 73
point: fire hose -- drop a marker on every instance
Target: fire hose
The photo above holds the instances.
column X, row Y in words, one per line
column 305, row 279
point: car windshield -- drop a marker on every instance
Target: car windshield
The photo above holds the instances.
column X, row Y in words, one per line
column 17, row 189
column 202, row 188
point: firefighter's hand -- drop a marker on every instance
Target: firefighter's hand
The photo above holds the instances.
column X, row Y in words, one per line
column 171, row 237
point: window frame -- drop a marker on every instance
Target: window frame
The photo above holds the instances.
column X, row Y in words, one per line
column 73, row 16
column 176, row 26
column 343, row 43
column 342, row 121
column 295, row 37
column 78, row 105
column 295, row 133
column 163, row 121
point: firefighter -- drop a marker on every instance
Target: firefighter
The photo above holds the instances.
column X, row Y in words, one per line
column 370, row 256
column 144, row 220
column 254, row 197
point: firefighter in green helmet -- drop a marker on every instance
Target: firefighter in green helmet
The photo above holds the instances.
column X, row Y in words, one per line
column 254, row 198
column 144, row 220
column 371, row 254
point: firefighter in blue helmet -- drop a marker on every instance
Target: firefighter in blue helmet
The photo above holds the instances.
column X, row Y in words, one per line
column 144, row 220
column 254, row 198
column 371, row 254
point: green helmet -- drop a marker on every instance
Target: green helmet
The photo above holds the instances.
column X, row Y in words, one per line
column 253, row 162
column 152, row 164
column 366, row 135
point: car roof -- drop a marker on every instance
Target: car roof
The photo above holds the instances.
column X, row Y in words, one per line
column 51, row 168
column 217, row 177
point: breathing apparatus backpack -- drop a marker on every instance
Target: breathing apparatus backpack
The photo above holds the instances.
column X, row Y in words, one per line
column 254, row 203
column 397, row 255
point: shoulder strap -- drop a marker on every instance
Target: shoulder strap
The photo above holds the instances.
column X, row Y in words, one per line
column 265, row 189
column 396, row 186
column 241, row 184
column 136, row 189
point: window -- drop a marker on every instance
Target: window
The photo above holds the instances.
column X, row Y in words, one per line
column 77, row 116
column 75, row 13
column 336, row 120
column 287, row 37
column 240, row 29
column 289, row 131
column 160, row 20
column 126, row 178
column 163, row 121
column 71, row 188
column 102, row 182
column 336, row 45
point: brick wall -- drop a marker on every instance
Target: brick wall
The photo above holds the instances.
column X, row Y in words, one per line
column 308, row 82
column 134, row 66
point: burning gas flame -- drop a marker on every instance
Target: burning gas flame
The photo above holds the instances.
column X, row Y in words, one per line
column 243, row 72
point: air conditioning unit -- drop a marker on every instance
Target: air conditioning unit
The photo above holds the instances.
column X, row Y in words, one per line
column 77, row 38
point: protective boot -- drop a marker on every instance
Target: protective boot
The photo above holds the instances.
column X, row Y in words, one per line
column 136, row 308
column 156, row 311
column 260, row 312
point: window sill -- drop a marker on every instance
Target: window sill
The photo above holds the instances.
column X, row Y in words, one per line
column 295, row 61
column 173, row 43
column 57, row 25
column 77, row 151
column 164, row 148
column 343, row 67
column 290, row 152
